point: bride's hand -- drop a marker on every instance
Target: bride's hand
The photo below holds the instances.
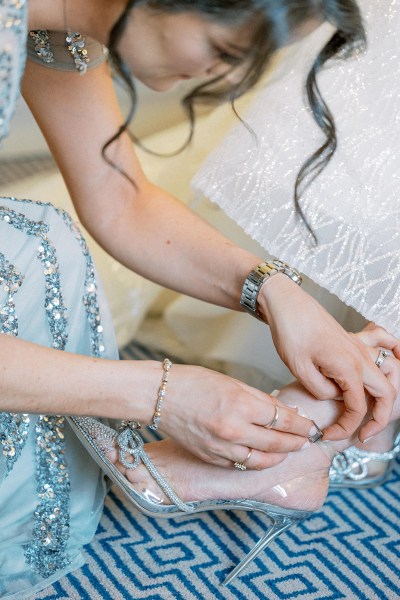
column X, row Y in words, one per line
column 326, row 359
column 220, row 419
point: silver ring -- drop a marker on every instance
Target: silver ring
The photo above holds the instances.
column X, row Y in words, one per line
column 382, row 356
column 274, row 419
column 241, row 465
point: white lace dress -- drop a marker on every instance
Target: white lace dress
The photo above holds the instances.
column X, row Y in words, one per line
column 354, row 205
column 51, row 492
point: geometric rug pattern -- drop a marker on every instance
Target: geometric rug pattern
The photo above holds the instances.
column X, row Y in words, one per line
column 349, row 550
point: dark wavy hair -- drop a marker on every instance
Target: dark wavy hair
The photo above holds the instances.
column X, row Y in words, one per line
column 275, row 23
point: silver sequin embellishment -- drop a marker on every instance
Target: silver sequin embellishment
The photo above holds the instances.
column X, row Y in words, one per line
column 14, row 430
column 47, row 551
column 10, row 281
column 42, row 45
column 75, row 43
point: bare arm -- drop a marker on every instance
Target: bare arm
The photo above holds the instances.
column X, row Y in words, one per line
column 36, row 379
column 144, row 228
column 155, row 235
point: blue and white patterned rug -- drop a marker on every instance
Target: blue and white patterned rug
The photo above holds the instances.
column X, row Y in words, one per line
column 349, row 550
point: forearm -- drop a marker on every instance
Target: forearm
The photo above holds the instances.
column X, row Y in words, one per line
column 139, row 224
column 36, row 379
column 160, row 238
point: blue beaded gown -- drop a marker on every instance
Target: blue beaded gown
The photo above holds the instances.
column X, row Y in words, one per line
column 51, row 492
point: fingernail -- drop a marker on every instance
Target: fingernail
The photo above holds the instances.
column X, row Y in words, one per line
column 305, row 445
column 292, row 407
column 315, row 433
column 367, row 439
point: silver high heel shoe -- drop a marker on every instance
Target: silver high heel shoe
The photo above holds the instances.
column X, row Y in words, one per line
column 99, row 439
column 349, row 468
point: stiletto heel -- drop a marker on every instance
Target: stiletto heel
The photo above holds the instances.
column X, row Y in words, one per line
column 280, row 524
column 99, row 439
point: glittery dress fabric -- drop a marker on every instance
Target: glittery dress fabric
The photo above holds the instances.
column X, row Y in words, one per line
column 51, row 492
column 353, row 206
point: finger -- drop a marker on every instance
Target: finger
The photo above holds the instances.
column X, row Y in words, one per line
column 380, row 417
column 359, row 374
column 382, row 407
column 264, row 460
column 318, row 384
column 238, row 455
column 261, row 442
column 264, row 413
column 390, row 368
column 382, row 403
column 377, row 336
column 355, row 407
column 286, row 419
column 276, row 441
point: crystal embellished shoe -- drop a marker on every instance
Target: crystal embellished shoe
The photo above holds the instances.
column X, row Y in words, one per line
column 349, row 468
column 99, row 439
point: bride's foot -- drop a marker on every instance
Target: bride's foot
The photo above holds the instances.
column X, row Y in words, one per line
column 299, row 482
column 291, row 484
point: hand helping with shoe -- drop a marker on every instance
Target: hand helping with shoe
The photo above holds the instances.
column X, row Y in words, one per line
column 383, row 349
column 225, row 421
column 329, row 361
column 228, row 423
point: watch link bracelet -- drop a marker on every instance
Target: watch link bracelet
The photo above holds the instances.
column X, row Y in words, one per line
column 258, row 276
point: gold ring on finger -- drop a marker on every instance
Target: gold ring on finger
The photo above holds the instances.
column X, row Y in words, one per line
column 242, row 465
column 274, row 418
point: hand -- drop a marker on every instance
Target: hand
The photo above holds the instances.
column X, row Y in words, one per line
column 219, row 419
column 377, row 338
column 326, row 359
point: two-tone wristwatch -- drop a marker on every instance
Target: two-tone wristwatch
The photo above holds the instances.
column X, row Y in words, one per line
column 258, row 276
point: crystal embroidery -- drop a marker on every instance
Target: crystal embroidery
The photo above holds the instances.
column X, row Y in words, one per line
column 90, row 296
column 42, row 45
column 10, row 281
column 14, row 430
column 47, row 551
column 56, row 311
column 75, row 43
column 13, row 427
